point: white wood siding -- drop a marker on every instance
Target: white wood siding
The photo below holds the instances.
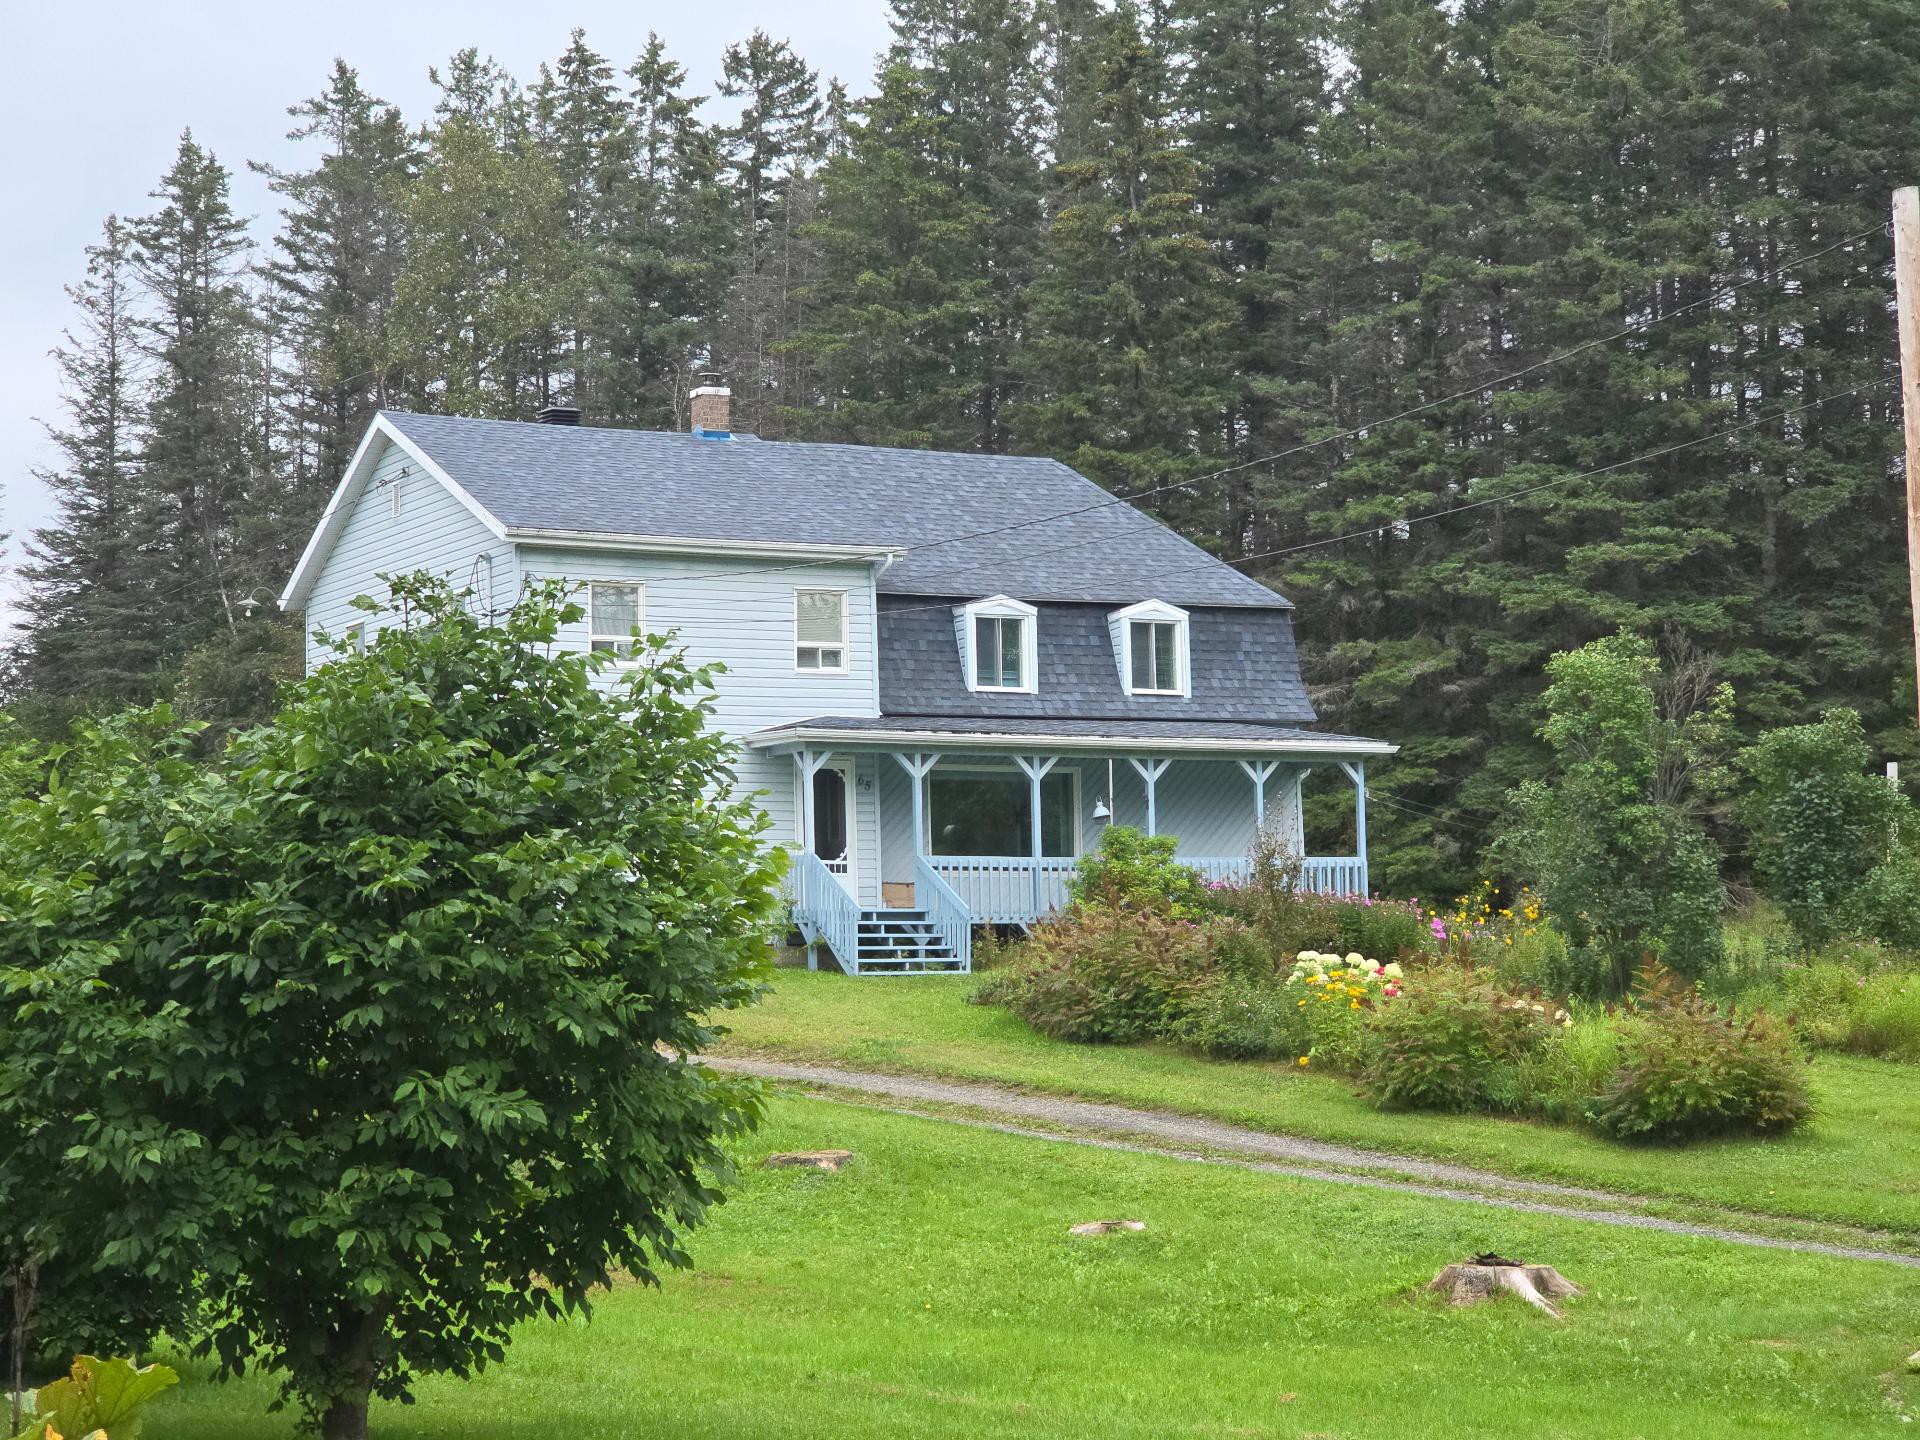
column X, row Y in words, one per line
column 432, row 532
column 740, row 612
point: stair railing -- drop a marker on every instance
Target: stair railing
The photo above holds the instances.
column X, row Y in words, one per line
column 946, row 912
column 825, row 910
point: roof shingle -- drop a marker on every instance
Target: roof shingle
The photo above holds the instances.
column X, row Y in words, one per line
column 986, row 524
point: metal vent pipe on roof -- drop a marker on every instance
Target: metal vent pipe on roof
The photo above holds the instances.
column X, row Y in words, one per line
column 559, row 415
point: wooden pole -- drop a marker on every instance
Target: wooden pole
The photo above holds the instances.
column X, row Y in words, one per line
column 1906, row 281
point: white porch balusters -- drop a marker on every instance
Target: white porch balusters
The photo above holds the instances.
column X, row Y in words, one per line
column 1036, row 768
column 1150, row 772
column 1357, row 773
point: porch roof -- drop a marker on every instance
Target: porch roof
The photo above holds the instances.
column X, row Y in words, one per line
column 973, row 732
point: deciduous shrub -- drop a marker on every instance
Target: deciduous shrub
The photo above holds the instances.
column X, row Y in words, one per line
column 1605, row 838
column 1103, row 974
column 1240, row 1019
column 1819, row 824
column 1691, row 1071
column 1133, row 870
column 1453, row 1043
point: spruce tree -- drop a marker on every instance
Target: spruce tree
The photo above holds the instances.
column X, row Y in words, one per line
column 1128, row 314
column 337, row 257
column 673, row 251
column 202, row 463
column 89, row 634
column 770, row 153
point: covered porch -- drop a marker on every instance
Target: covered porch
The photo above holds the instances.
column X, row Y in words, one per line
column 908, row 835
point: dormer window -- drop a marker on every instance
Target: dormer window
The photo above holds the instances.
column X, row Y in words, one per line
column 1150, row 645
column 999, row 645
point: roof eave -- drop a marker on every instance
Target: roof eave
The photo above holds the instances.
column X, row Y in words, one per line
column 1330, row 748
column 326, row 530
column 696, row 545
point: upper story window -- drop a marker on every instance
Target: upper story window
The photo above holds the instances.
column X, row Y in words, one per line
column 999, row 644
column 820, row 631
column 615, row 609
column 1150, row 645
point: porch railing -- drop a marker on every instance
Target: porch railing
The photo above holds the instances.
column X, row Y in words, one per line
column 1320, row 874
column 1005, row 889
column 825, row 909
column 946, row 912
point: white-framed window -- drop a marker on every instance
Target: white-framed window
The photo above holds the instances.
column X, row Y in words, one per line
column 999, row 644
column 820, row 631
column 615, row 609
column 357, row 638
column 1152, row 647
column 986, row 809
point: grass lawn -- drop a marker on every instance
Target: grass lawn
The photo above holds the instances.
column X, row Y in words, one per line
column 931, row 1289
column 1857, row 1161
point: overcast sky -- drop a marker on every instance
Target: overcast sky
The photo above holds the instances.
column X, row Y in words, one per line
column 95, row 96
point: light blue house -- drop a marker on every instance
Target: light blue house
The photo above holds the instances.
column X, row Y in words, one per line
column 946, row 672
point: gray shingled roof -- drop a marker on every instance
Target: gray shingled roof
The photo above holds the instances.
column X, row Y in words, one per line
column 650, row 482
column 1244, row 668
column 1145, row 731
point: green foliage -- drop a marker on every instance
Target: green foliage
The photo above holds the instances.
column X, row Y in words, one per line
column 1451, row 1043
column 433, row 952
column 1105, row 974
column 98, row 1400
column 1605, row 838
column 1886, row 903
column 1692, row 1070
column 1818, row 823
column 1130, row 869
column 1238, row 1018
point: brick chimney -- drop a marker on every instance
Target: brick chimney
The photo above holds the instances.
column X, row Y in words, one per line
column 712, row 407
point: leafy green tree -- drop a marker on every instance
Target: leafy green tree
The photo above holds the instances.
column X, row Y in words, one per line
column 1625, row 870
column 1818, row 823
column 384, row 1028
column 490, row 271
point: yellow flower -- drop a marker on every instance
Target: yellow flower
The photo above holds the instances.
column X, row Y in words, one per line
column 1303, row 1059
column 1353, row 1005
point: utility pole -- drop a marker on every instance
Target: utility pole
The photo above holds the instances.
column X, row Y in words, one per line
column 1906, row 282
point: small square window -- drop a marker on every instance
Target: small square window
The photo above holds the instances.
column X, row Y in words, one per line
column 820, row 631
column 615, row 610
column 999, row 652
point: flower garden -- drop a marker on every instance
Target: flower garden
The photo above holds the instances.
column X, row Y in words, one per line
column 1476, row 1008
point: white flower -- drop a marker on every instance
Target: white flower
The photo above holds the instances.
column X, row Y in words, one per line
column 1393, row 970
column 1356, row 959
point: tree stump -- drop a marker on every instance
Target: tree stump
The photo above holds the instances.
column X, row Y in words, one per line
column 828, row 1160
column 1106, row 1227
column 1485, row 1276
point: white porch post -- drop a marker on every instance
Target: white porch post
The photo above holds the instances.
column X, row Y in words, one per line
column 917, row 764
column 1357, row 772
column 1036, row 768
column 1150, row 772
column 1259, row 771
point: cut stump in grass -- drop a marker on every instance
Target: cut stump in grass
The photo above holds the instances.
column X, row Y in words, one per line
column 1106, row 1227
column 828, row 1160
column 1485, row 1276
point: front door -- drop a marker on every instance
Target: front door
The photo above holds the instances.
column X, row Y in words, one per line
column 832, row 818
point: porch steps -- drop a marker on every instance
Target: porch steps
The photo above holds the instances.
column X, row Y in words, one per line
column 899, row 942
